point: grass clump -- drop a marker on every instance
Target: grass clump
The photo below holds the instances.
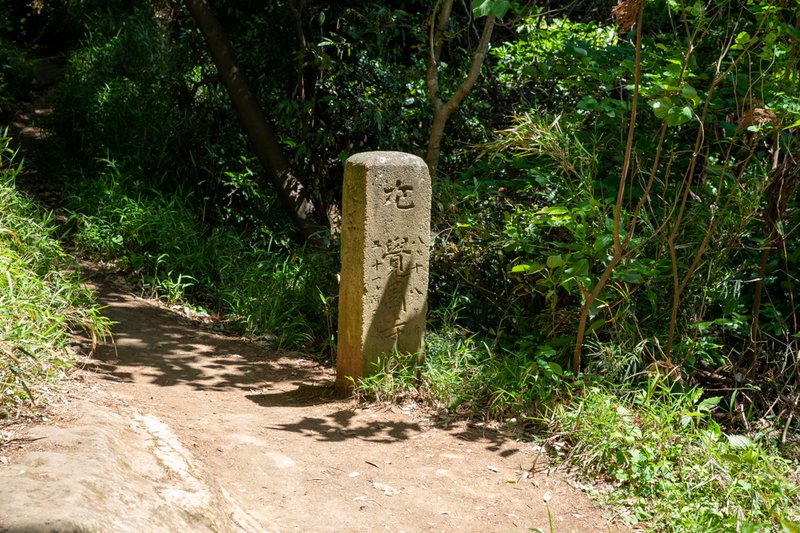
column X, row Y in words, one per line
column 462, row 374
column 41, row 298
column 672, row 464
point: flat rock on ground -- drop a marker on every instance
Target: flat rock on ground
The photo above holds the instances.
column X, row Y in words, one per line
column 177, row 428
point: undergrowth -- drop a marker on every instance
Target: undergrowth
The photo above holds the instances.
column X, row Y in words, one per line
column 672, row 465
column 41, row 298
column 261, row 285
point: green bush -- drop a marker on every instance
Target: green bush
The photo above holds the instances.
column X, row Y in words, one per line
column 16, row 75
column 671, row 463
column 267, row 287
column 125, row 66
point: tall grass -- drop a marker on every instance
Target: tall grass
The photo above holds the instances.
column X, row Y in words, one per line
column 41, row 297
column 264, row 285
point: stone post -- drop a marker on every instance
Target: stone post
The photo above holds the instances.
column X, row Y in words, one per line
column 383, row 292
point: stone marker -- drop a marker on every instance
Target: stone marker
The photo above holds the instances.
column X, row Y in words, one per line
column 383, row 293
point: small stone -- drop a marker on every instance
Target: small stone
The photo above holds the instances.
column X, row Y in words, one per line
column 387, row 489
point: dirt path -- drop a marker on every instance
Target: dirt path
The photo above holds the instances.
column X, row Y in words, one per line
column 260, row 439
column 27, row 129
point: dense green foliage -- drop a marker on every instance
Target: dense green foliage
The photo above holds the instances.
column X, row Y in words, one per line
column 620, row 204
column 160, row 239
column 41, row 299
column 16, row 73
column 550, row 222
column 674, row 464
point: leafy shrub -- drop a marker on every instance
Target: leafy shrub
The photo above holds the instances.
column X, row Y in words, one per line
column 672, row 464
column 127, row 65
column 527, row 233
column 16, row 75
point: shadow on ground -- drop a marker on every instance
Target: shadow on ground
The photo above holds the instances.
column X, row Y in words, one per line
column 159, row 347
column 342, row 425
column 155, row 346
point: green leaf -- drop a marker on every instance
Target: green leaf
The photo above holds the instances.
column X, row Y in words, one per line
column 661, row 107
column 484, row 8
column 556, row 210
column 709, row 403
column 500, row 8
column 679, row 115
column 545, row 350
column 603, row 242
column 630, row 276
column 588, row 103
column 739, row 442
column 526, row 268
column 481, row 8
column 731, row 458
column 795, row 124
column 578, row 268
column 555, row 261
column 596, row 324
column 789, row 527
column 690, row 93
column 743, row 38
column 578, row 51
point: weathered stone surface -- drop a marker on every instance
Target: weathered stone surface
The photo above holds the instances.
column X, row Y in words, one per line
column 113, row 472
column 384, row 277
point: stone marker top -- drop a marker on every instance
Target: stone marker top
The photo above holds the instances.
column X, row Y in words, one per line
column 382, row 159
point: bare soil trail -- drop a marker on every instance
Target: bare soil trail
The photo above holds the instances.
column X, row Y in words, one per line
column 175, row 427
column 27, row 127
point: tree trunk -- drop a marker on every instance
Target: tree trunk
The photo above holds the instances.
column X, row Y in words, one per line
column 443, row 109
column 294, row 196
column 435, row 140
